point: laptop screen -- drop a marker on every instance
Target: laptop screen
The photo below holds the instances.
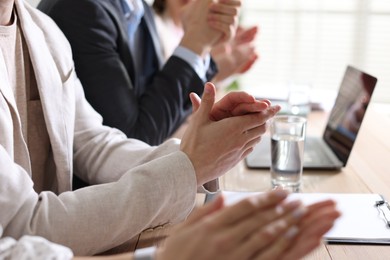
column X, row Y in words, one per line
column 348, row 111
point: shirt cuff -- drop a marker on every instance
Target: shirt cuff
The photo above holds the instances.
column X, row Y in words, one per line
column 145, row 253
column 210, row 188
column 195, row 61
column 32, row 247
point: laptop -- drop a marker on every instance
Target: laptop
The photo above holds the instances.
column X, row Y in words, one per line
column 332, row 150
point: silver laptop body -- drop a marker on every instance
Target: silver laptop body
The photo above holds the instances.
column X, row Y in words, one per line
column 332, row 150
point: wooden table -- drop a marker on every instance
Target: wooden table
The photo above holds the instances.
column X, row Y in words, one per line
column 367, row 171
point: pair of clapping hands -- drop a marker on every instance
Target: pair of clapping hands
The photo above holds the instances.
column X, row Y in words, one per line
column 262, row 227
column 208, row 23
column 220, row 134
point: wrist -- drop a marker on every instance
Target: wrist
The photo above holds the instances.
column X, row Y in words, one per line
column 197, row 46
column 197, row 167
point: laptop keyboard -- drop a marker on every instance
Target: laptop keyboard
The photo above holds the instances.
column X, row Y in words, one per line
column 315, row 152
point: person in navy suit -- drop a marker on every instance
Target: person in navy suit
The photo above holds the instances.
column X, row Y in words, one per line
column 119, row 61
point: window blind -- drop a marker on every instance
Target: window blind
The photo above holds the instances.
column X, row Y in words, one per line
column 312, row 41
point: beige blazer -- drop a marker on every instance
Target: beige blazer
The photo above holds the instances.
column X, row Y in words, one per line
column 146, row 186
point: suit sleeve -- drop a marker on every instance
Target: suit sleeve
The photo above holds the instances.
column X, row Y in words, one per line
column 97, row 218
column 141, row 187
column 151, row 116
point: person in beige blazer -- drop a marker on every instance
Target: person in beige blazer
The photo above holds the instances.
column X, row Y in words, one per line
column 252, row 228
column 49, row 133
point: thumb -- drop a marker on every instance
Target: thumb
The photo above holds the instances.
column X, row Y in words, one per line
column 195, row 100
column 208, row 99
column 246, row 66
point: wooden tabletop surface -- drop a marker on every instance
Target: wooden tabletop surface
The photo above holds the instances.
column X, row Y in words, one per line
column 367, row 171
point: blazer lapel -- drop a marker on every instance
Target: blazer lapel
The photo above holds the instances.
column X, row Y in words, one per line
column 49, row 85
column 16, row 130
column 113, row 7
column 5, row 88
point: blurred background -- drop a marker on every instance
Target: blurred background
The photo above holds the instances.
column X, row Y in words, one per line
column 312, row 42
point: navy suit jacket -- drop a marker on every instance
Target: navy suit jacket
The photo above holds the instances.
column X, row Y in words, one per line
column 148, row 105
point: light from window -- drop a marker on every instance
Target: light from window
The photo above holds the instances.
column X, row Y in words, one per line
column 313, row 41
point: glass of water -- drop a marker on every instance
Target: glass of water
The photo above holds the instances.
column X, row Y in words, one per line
column 287, row 146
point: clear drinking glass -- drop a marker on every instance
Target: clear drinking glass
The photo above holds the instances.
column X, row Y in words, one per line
column 288, row 134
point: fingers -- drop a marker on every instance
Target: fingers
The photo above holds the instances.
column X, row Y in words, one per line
column 207, row 209
column 249, row 137
column 266, row 101
column 222, row 6
column 274, row 238
column 223, row 16
column 285, row 240
column 315, row 239
column 253, row 137
column 231, row 2
column 325, row 210
column 246, row 108
column 312, row 236
column 315, row 225
column 232, row 99
column 246, row 66
column 259, row 229
column 321, row 204
column 207, row 102
column 255, row 132
column 246, row 35
column 250, row 129
column 236, row 104
column 236, row 212
column 249, row 150
column 227, row 30
column 253, row 120
column 252, row 143
column 195, row 100
column 227, row 7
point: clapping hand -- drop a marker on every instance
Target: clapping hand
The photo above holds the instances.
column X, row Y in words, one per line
column 259, row 227
column 221, row 134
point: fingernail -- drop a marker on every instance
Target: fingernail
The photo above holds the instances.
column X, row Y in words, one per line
column 265, row 104
column 299, row 213
column 207, row 89
column 291, row 232
column 276, row 108
column 279, row 210
column 294, row 204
